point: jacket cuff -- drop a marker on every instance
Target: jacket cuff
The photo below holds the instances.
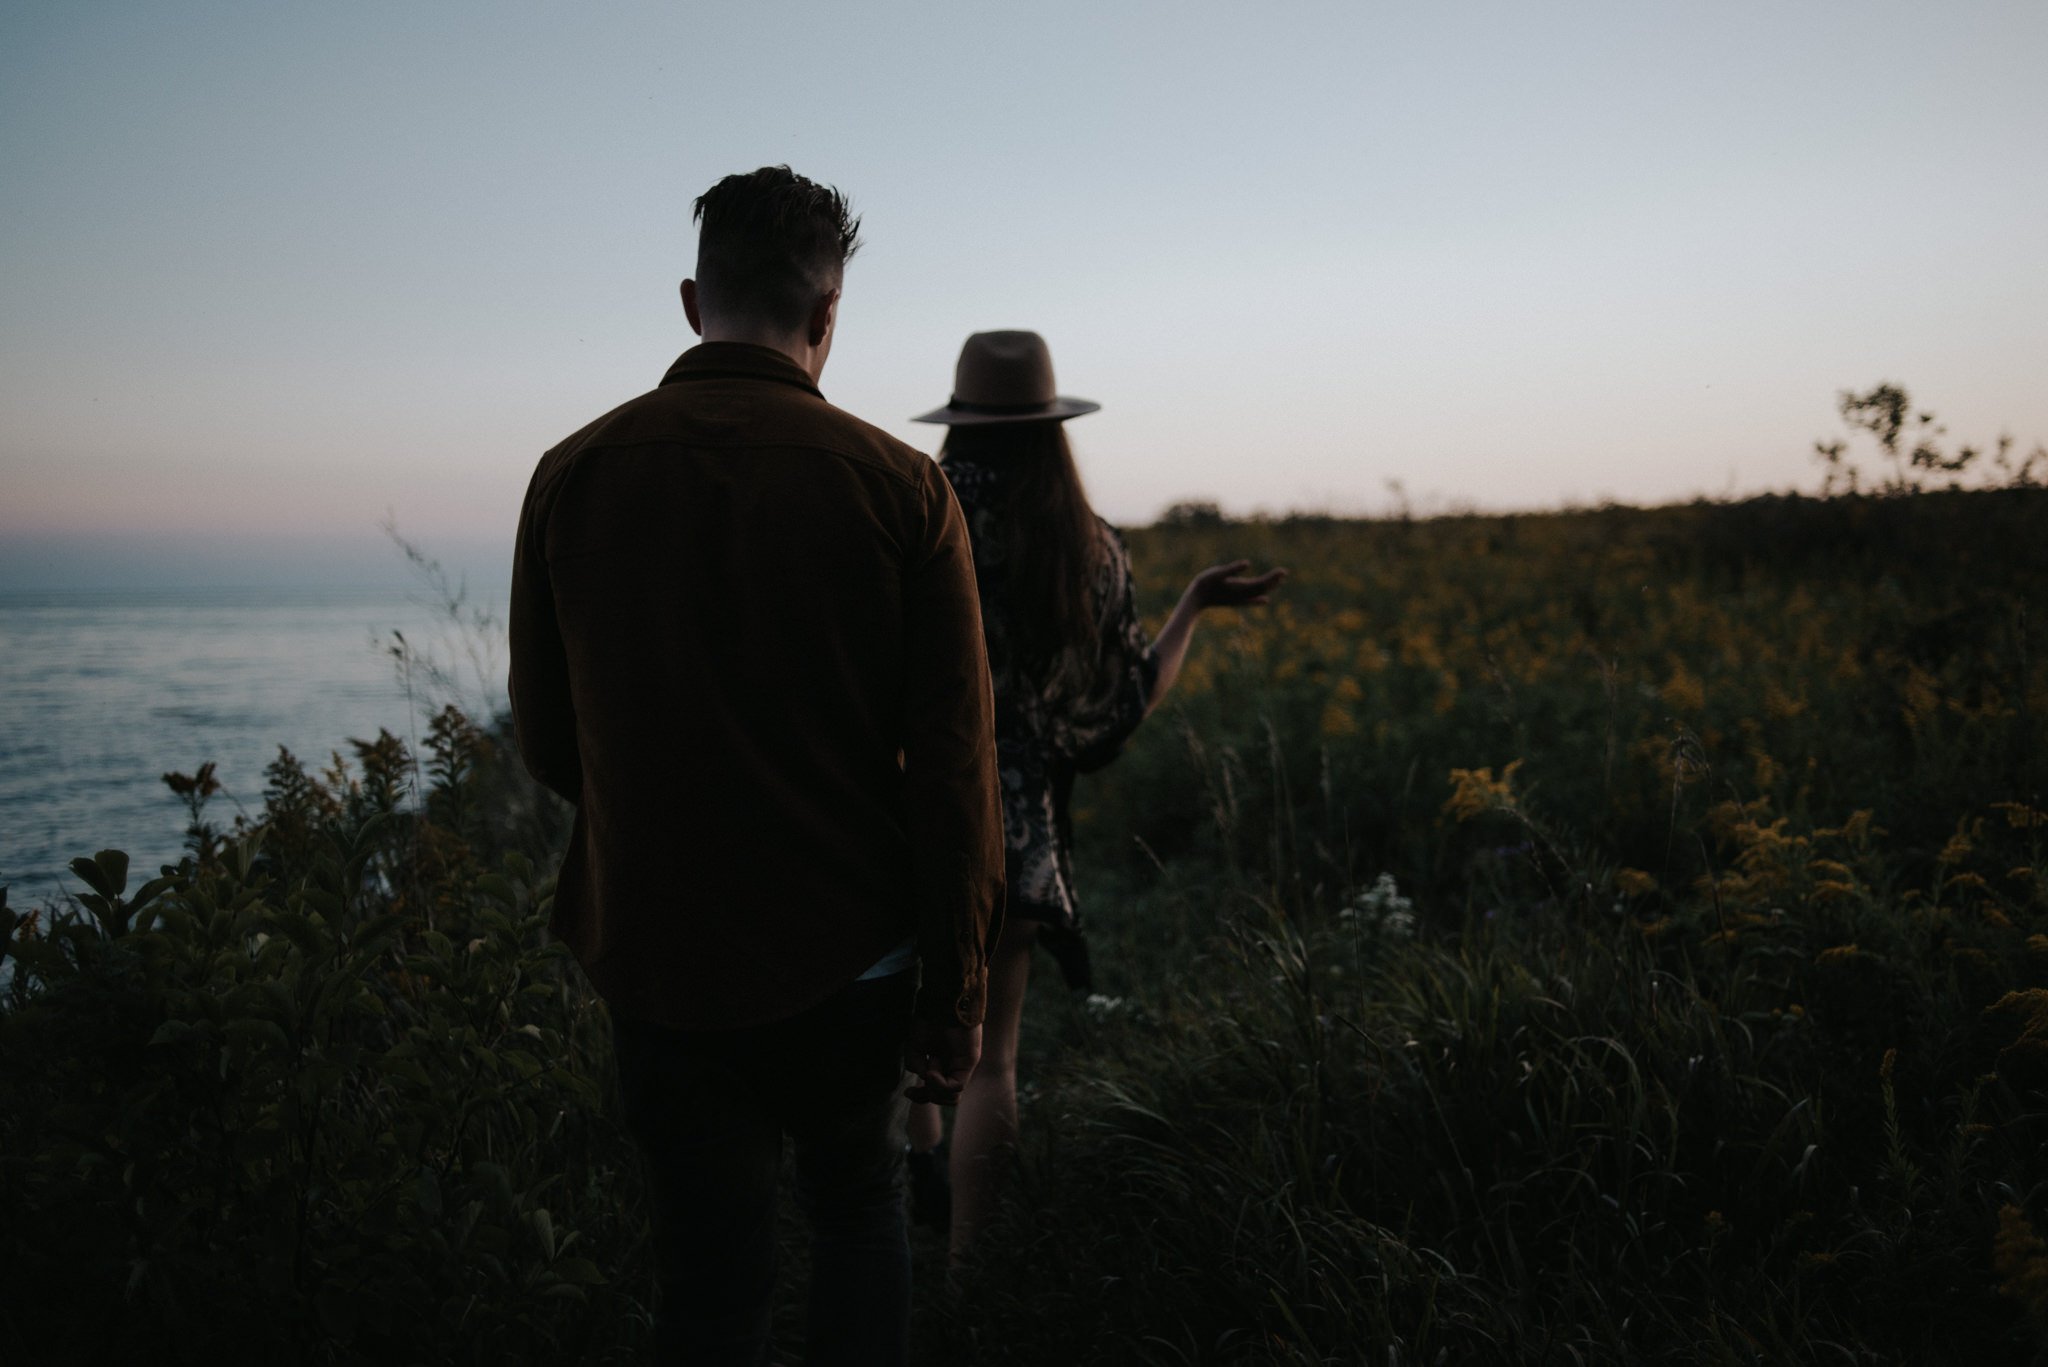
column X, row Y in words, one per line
column 961, row 1001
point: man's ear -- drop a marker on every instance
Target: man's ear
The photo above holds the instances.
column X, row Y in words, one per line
column 690, row 307
column 824, row 314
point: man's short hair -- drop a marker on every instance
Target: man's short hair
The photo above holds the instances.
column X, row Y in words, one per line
column 769, row 243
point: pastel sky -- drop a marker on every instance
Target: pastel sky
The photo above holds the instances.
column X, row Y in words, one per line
column 268, row 270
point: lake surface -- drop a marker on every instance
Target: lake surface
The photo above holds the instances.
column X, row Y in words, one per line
column 102, row 693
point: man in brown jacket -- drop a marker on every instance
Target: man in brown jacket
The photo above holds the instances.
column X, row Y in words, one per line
column 746, row 644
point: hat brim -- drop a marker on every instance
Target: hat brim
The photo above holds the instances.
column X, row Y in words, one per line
column 1059, row 410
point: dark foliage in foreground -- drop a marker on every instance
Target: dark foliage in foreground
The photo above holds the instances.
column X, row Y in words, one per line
column 1599, row 937
column 321, row 1093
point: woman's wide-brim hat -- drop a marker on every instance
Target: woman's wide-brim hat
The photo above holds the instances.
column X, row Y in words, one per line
column 1005, row 377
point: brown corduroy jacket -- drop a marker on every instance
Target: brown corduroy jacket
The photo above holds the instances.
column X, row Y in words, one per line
column 733, row 607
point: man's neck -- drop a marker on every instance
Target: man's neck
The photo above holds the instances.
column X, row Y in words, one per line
column 809, row 359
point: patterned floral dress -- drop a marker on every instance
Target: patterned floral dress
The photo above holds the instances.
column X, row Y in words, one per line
column 1049, row 729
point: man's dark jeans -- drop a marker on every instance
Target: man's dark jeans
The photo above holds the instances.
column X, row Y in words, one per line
column 709, row 1109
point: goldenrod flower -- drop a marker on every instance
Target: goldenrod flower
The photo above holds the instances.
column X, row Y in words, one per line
column 2022, row 1259
column 1922, row 698
column 1683, row 689
column 1634, row 882
column 1475, row 792
column 2021, row 815
column 2024, row 1062
column 1959, row 845
column 1780, row 705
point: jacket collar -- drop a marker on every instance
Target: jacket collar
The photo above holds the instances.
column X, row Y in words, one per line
column 738, row 361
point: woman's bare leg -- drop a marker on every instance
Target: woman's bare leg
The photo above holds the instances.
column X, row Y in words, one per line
column 985, row 1126
column 927, row 1126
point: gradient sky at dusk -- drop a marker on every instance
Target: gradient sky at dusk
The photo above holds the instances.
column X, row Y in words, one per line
column 273, row 269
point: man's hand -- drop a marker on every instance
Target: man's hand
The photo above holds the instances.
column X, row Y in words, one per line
column 943, row 1057
column 1220, row 587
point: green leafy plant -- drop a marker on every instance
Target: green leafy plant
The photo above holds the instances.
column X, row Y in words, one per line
column 323, row 1092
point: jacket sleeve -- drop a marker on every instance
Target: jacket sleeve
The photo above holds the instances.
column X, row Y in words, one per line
column 953, row 801
column 543, row 712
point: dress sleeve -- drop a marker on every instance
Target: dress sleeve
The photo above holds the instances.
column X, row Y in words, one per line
column 1093, row 731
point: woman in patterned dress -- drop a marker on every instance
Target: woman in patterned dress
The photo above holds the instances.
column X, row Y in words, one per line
column 1073, row 675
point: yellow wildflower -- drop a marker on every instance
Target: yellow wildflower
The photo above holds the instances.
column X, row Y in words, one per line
column 2022, row 1259
column 1683, row 689
column 1779, row 705
column 1446, row 693
column 1634, row 882
column 1922, row 698
column 1840, row 954
column 2021, row 815
column 2024, row 1062
column 1476, row 791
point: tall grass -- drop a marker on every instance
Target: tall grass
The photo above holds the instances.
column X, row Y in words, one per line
column 1708, row 1034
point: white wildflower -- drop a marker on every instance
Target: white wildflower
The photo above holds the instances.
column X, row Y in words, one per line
column 1102, row 1007
column 1382, row 908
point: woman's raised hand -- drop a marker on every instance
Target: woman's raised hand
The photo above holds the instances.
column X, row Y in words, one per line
column 1221, row 586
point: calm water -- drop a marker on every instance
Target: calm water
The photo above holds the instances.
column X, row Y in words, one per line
column 101, row 693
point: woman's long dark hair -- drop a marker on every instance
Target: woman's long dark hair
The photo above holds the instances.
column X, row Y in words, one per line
column 1051, row 542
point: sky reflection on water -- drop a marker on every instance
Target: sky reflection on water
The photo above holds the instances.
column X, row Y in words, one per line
column 101, row 693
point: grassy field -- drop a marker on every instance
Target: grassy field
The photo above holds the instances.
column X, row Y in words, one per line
column 1605, row 936
column 1593, row 937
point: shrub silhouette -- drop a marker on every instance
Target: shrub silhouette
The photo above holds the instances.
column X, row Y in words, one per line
column 323, row 1092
